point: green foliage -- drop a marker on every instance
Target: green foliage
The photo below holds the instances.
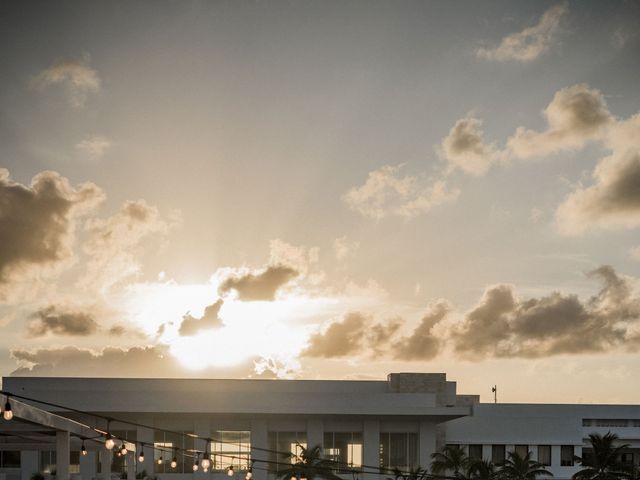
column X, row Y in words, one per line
column 604, row 463
column 310, row 465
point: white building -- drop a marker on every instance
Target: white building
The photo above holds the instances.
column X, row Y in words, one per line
column 361, row 424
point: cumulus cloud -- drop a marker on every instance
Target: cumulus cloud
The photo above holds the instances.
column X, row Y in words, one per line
column 191, row 325
column 464, row 147
column 62, row 320
column 576, row 115
column 503, row 325
column 252, row 286
column 148, row 361
column 387, row 193
column 301, row 259
column 423, row 344
column 613, row 199
column 530, row 43
column 78, row 78
column 111, row 243
column 341, row 338
column 37, row 227
column 94, row 146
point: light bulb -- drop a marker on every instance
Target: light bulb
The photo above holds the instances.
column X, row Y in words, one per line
column 206, row 463
column 248, row 475
column 7, row 414
column 195, row 466
column 174, row 462
column 141, row 456
column 119, row 453
column 205, row 470
column 124, row 450
column 109, row 443
column 293, row 477
column 160, row 460
column 230, row 471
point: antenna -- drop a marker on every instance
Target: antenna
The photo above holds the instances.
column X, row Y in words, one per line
column 494, row 389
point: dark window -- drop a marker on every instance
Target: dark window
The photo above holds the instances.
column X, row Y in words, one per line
column 10, row 459
column 398, row 450
column 497, row 454
column 627, row 458
column 344, row 448
column 544, row 455
column 566, row 456
column 475, row 452
column 522, row 450
column 290, row 442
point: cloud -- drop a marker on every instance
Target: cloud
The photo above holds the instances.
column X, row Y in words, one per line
column 62, row 320
column 613, row 199
column 111, row 243
column 385, row 194
column 210, row 319
column 259, row 286
column 94, row 146
column 465, row 148
column 340, row 339
column 576, row 115
column 37, row 227
column 530, row 43
column 344, row 248
column 299, row 258
column 78, row 78
column 379, row 336
column 149, row 361
column 423, row 344
column 503, row 325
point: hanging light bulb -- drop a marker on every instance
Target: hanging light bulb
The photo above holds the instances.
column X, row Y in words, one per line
column 141, row 456
column 205, row 470
column 248, row 475
column 83, row 449
column 303, row 477
column 160, row 460
column 293, row 477
column 195, row 465
column 124, row 450
column 174, row 462
column 109, row 443
column 230, row 471
column 119, row 453
column 206, row 463
column 7, row 414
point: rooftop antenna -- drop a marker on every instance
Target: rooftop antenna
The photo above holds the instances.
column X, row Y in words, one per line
column 494, row 389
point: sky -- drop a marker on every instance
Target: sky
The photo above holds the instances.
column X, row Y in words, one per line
column 324, row 190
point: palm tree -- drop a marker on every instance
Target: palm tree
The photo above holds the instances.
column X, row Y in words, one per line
column 417, row 473
column 310, row 465
column 451, row 458
column 603, row 463
column 482, row 470
column 518, row 467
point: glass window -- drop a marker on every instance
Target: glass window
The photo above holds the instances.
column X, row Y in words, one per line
column 344, row 448
column 47, row 461
column 167, row 446
column 10, row 459
column 475, row 452
column 544, row 455
column 74, row 462
column 497, row 454
column 566, row 455
column 627, row 458
column 398, row 450
column 522, row 450
column 285, row 442
column 231, row 448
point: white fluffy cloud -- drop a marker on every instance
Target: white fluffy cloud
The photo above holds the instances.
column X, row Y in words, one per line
column 530, row 43
column 386, row 193
column 464, row 147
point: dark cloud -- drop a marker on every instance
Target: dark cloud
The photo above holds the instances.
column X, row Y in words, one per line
column 504, row 326
column 149, row 362
column 260, row 286
column 422, row 344
column 37, row 226
column 380, row 335
column 464, row 147
column 60, row 320
column 210, row 319
column 341, row 339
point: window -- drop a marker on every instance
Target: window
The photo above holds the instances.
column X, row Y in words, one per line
column 10, row 459
column 522, row 450
column 344, row 448
column 497, row 454
column 128, row 438
column 475, row 452
column 231, row 448
column 398, row 450
column 285, row 443
column 544, row 455
column 74, row 462
column 47, row 461
column 627, row 458
column 566, row 456
column 167, row 445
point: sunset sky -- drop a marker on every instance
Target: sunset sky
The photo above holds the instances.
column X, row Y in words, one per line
column 324, row 189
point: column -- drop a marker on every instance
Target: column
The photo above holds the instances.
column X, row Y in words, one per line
column 259, row 438
column 131, row 465
column 29, row 463
column 426, row 442
column 105, row 462
column 145, row 435
column 487, row 454
column 555, row 455
column 371, row 439
column 88, row 465
column 62, row 455
column 315, row 432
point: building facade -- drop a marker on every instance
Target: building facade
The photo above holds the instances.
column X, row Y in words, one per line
column 261, row 425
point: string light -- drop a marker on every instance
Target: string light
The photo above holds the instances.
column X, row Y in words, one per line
column 109, row 443
column 7, row 414
column 160, row 460
column 195, row 465
column 83, row 449
column 141, row 456
column 230, row 471
column 124, row 450
column 248, row 475
column 206, row 463
column 174, row 462
column 293, row 477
